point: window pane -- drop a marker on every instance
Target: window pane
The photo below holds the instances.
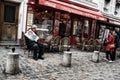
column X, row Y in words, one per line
column 79, row 30
column 86, row 28
column 9, row 13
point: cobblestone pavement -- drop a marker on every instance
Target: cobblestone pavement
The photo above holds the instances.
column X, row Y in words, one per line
column 50, row 69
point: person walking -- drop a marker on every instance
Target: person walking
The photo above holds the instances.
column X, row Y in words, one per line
column 109, row 51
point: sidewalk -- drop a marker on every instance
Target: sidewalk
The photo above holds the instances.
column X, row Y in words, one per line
column 50, row 69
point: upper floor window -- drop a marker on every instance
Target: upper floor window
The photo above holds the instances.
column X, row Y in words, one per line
column 117, row 7
column 106, row 5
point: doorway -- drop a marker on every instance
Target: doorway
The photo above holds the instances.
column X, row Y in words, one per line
column 9, row 21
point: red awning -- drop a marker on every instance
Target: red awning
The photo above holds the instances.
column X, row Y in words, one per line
column 73, row 9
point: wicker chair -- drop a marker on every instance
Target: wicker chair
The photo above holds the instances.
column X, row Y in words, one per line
column 97, row 45
column 78, row 43
column 54, row 43
column 47, row 42
column 88, row 46
column 65, row 44
column 84, row 45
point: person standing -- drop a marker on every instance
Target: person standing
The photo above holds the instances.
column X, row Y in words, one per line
column 116, row 41
column 62, row 29
column 109, row 51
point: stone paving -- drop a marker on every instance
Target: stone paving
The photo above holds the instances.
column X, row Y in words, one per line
column 51, row 69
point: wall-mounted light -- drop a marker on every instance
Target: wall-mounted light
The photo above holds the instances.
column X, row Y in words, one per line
column 46, row 11
column 115, row 12
column 105, row 9
column 31, row 1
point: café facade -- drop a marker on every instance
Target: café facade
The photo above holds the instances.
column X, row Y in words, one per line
column 80, row 20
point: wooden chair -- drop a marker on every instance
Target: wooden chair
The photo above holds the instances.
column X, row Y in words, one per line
column 65, row 44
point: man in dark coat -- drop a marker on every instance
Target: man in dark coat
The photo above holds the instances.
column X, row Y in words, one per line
column 116, row 41
column 37, row 47
column 62, row 29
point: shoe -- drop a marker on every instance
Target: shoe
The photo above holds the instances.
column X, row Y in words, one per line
column 105, row 59
column 35, row 59
column 41, row 58
column 110, row 61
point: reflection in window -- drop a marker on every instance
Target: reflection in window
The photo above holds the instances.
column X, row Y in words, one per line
column 79, row 29
column 102, row 28
column 43, row 19
column 75, row 28
column 86, row 28
column 68, row 31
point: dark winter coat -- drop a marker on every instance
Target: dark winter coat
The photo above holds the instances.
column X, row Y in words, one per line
column 116, row 41
column 62, row 29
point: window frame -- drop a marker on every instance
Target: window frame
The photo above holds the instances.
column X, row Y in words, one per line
column 14, row 15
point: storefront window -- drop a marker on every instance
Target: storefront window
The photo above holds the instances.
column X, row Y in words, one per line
column 75, row 27
column 102, row 28
column 65, row 19
column 86, row 28
column 79, row 29
column 44, row 20
column 68, row 30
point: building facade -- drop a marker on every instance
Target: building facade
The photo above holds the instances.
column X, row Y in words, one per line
column 110, row 9
column 80, row 19
column 12, row 20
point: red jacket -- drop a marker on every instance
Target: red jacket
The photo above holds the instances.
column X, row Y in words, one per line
column 109, row 41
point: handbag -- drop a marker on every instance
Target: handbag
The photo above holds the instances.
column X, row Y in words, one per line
column 112, row 46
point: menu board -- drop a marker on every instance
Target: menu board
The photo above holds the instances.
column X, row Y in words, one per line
column 29, row 20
